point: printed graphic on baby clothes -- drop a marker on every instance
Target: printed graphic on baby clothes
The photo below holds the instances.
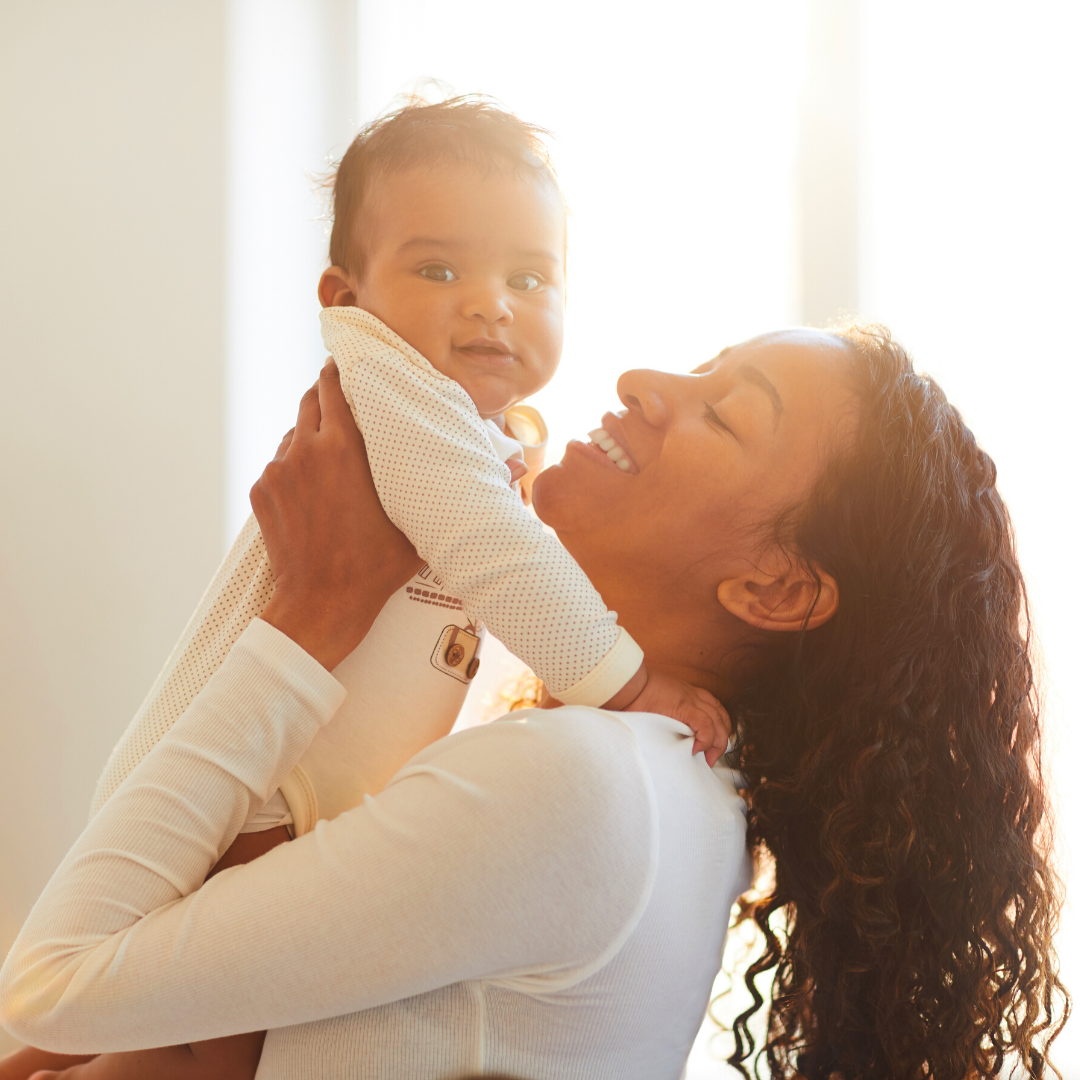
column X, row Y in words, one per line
column 427, row 588
column 456, row 653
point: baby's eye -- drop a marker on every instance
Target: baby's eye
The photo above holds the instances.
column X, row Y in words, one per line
column 525, row 281
column 438, row 273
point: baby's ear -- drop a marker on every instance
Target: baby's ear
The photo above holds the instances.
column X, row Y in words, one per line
column 788, row 600
column 336, row 288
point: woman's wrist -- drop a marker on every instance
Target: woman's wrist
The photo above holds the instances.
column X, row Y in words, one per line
column 336, row 556
column 325, row 632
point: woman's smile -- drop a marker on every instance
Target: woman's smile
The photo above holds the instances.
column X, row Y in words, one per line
column 591, row 451
column 612, row 443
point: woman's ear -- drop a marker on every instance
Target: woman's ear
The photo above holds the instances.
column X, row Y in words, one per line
column 788, row 600
column 336, row 288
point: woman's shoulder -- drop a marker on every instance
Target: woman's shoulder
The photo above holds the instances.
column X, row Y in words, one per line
column 567, row 815
column 570, row 750
column 575, row 772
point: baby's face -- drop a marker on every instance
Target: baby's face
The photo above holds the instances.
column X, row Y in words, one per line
column 467, row 267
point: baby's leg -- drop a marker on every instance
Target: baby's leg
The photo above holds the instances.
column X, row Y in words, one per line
column 235, row 1057
column 27, row 1061
column 249, row 846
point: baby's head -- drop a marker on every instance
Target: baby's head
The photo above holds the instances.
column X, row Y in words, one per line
column 449, row 226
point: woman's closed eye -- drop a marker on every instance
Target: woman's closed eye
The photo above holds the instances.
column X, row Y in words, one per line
column 525, row 281
column 438, row 272
column 712, row 418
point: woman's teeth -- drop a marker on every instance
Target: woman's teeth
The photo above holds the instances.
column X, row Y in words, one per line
column 601, row 438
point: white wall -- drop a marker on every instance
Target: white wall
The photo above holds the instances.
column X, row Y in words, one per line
column 291, row 109
column 111, row 378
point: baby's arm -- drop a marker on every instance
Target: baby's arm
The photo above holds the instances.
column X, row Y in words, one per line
column 443, row 485
column 234, row 1057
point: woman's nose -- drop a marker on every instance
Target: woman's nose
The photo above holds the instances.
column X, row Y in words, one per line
column 649, row 392
column 489, row 304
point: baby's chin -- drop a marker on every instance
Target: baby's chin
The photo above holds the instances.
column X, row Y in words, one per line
column 493, row 394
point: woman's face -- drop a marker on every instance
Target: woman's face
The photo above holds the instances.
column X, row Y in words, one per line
column 714, row 455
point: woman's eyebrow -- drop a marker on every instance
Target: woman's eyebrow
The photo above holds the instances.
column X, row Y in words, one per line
column 757, row 378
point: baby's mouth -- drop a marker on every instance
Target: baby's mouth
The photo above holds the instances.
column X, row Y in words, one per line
column 486, row 352
column 601, row 439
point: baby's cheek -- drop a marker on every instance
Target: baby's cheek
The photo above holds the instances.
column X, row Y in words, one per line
column 544, row 362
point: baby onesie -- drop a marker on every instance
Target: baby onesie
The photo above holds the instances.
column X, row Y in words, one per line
column 489, row 562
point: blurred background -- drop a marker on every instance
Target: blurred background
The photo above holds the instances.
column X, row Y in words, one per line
column 730, row 168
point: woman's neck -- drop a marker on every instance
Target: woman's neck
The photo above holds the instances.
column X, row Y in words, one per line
column 685, row 632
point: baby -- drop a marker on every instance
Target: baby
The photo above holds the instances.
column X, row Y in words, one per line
column 443, row 310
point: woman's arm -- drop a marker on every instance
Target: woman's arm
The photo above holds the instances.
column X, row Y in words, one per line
column 231, row 1058
column 522, row 851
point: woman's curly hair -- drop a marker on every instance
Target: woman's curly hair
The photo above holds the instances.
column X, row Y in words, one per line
column 893, row 765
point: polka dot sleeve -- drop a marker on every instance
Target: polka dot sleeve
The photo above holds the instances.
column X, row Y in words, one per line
column 443, row 485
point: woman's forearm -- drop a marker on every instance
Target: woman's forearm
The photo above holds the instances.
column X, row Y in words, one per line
column 392, row 899
column 157, row 838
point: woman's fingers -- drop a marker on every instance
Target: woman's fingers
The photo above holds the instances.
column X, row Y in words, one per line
column 286, row 442
column 335, row 555
column 307, row 419
column 335, row 409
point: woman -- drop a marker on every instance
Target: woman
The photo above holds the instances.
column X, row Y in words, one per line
column 811, row 534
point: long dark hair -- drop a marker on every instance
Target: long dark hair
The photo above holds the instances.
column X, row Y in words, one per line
column 893, row 765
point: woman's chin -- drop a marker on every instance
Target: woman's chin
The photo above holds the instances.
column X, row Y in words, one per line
column 557, row 497
column 571, row 493
column 545, row 493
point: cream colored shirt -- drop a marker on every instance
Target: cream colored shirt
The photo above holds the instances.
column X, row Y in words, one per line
column 440, row 474
column 545, row 896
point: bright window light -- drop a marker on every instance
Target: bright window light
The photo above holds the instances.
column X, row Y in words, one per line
column 677, row 131
column 971, row 228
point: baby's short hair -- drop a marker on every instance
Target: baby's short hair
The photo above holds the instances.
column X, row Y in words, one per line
column 469, row 129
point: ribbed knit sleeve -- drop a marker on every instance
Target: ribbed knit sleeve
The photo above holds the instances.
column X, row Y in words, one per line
column 523, row 852
column 441, row 482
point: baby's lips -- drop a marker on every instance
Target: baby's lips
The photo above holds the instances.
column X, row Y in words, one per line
column 482, row 346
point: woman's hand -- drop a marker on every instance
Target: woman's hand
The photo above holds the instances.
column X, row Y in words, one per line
column 336, row 556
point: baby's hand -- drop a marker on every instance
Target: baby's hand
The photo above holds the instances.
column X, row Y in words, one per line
column 696, row 708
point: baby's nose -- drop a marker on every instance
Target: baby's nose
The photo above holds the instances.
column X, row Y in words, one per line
column 488, row 305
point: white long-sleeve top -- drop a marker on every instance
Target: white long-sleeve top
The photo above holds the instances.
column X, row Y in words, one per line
column 545, row 896
column 444, row 483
